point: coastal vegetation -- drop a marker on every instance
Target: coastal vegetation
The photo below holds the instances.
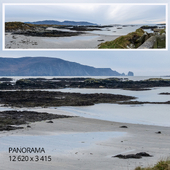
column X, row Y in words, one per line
column 36, row 30
column 137, row 39
column 14, row 26
column 131, row 40
column 161, row 165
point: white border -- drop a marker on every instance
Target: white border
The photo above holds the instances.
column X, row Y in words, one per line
column 3, row 27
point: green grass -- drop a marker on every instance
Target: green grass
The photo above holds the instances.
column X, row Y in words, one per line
column 123, row 41
column 18, row 25
column 161, row 165
column 162, row 31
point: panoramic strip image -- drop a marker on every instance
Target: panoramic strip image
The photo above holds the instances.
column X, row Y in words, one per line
column 85, row 26
column 84, row 109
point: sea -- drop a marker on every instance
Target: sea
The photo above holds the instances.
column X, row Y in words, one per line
column 113, row 30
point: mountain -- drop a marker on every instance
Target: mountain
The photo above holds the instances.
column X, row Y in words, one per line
column 53, row 22
column 46, row 66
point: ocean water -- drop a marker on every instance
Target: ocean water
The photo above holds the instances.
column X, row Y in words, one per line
column 114, row 30
column 134, row 78
column 119, row 30
column 149, row 114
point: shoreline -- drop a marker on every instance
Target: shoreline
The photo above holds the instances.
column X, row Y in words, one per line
column 98, row 155
column 83, row 41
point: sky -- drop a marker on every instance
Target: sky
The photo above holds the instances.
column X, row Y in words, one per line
column 96, row 13
column 142, row 63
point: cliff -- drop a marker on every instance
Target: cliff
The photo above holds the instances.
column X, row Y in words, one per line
column 46, row 66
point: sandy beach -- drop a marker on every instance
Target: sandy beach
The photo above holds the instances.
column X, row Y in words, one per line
column 83, row 143
column 84, row 41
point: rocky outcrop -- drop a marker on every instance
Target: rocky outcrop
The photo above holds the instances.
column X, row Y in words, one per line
column 130, row 73
column 129, row 41
column 54, row 99
column 149, row 43
column 48, row 33
column 56, row 83
column 13, row 117
column 157, row 41
column 149, row 27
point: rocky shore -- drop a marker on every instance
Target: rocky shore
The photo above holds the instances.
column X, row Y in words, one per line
column 47, row 99
column 139, row 39
column 57, row 83
column 10, row 120
column 36, row 30
column 47, row 33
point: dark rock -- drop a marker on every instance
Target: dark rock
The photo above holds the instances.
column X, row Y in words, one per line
column 144, row 154
column 128, row 156
column 149, row 27
column 123, row 127
column 164, row 93
column 8, row 128
column 135, row 156
column 49, row 33
column 5, row 79
column 50, row 121
column 46, row 98
column 84, row 28
column 159, row 132
column 22, row 117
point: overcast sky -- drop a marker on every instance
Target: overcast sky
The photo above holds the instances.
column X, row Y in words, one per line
column 99, row 14
column 142, row 63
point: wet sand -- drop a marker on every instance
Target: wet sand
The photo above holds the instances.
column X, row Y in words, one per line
column 90, row 152
column 84, row 41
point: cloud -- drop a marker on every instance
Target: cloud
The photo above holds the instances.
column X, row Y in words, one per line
column 101, row 14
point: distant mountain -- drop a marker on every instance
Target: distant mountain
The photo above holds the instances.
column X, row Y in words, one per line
column 53, row 22
column 45, row 66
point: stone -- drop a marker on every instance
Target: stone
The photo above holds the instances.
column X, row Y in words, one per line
column 50, row 121
column 123, row 127
column 133, row 156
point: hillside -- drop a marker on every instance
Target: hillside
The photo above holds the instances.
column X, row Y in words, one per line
column 53, row 22
column 45, row 66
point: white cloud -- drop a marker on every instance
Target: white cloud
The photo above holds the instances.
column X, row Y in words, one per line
column 101, row 14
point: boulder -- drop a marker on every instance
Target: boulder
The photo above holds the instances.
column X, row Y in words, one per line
column 134, row 156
